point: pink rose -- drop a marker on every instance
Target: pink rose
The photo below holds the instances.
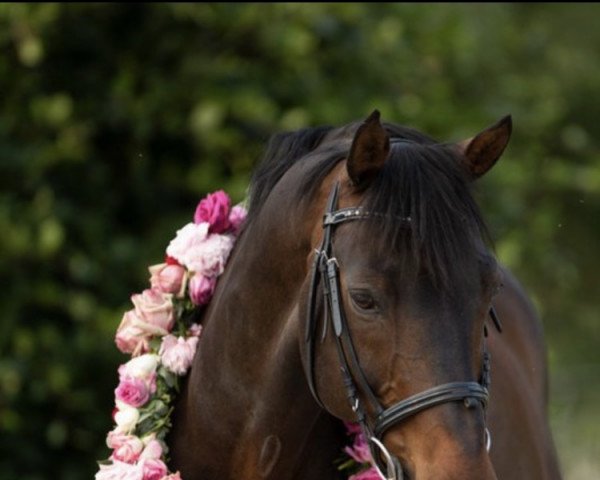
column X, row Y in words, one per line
column 201, row 289
column 155, row 309
column 352, row 428
column 153, row 450
column 132, row 391
column 120, row 471
column 209, row 256
column 195, row 330
column 130, row 338
column 168, row 278
column 186, row 238
column 115, row 439
column 129, row 451
column 237, row 217
column 153, row 315
column 359, row 451
column 153, row 469
column 369, row 474
column 177, row 353
column 214, row 209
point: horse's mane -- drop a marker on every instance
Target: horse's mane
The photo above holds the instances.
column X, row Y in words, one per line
column 421, row 180
column 283, row 150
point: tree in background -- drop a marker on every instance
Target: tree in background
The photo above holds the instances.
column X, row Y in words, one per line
column 116, row 119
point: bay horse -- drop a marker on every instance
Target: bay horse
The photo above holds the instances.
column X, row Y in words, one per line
column 360, row 290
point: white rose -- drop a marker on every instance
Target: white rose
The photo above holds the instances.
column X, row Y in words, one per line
column 140, row 367
column 126, row 418
column 120, row 471
column 210, row 256
column 187, row 237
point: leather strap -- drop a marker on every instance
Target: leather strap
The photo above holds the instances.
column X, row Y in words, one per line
column 311, row 320
column 448, row 392
column 343, row 337
column 343, row 215
column 495, row 319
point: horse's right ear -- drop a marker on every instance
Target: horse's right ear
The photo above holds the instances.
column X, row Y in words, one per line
column 481, row 152
column 369, row 151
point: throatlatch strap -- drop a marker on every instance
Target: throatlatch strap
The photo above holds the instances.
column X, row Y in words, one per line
column 311, row 325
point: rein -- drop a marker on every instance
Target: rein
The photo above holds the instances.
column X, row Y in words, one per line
column 325, row 268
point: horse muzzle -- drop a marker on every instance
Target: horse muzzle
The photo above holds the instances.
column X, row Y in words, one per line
column 441, row 454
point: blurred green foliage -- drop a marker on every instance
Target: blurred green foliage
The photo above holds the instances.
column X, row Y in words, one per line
column 115, row 119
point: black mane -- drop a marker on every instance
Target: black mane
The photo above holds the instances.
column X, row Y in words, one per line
column 421, row 180
column 283, row 150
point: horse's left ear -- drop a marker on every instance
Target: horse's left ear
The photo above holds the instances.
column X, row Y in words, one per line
column 369, row 151
column 481, row 152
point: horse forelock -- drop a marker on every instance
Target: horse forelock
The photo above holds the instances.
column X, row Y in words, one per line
column 421, row 179
column 424, row 182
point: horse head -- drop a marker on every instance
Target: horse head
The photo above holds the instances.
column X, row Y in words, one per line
column 397, row 298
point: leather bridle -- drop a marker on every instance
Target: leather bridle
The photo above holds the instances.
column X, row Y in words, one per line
column 325, row 267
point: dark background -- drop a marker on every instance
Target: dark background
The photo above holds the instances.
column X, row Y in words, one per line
column 116, row 119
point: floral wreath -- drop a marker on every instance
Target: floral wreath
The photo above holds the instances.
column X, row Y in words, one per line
column 162, row 339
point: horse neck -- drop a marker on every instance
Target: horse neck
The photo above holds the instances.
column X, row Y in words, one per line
column 246, row 409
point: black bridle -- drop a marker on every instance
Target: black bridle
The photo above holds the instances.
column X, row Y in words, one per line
column 325, row 266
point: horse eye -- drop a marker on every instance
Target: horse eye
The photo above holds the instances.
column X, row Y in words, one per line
column 363, row 300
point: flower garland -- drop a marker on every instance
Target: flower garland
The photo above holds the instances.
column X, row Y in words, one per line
column 358, row 462
column 161, row 336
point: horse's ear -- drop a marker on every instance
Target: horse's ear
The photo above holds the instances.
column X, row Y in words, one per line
column 369, row 151
column 481, row 152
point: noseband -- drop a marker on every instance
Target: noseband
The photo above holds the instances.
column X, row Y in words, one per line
column 325, row 266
